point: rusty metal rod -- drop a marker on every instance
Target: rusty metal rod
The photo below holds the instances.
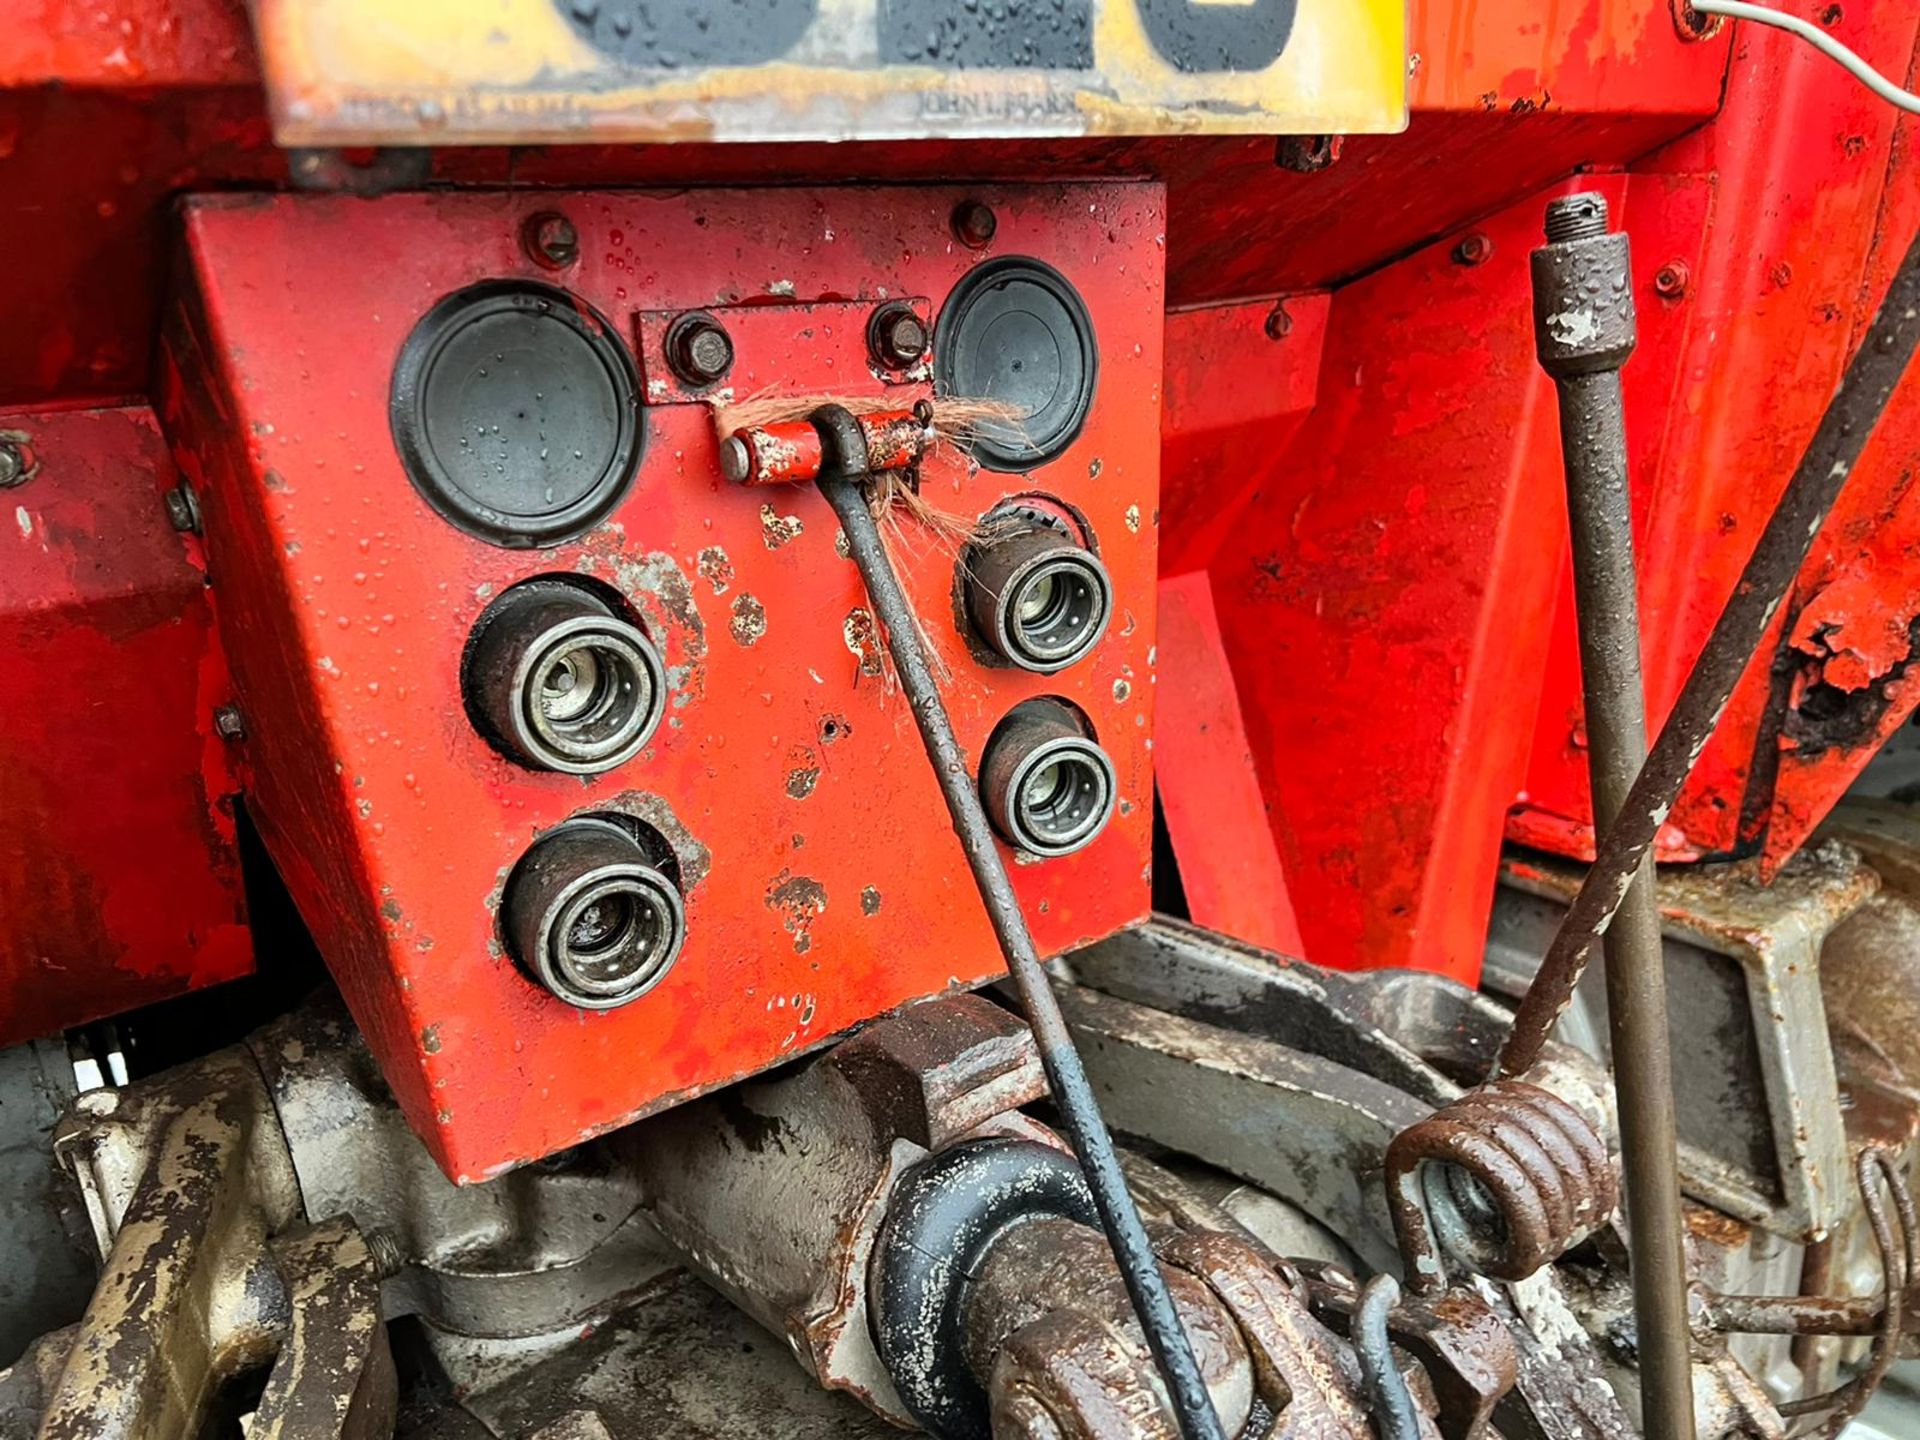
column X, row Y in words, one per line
column 1794, row 1314
column 1897, row 1272
column 1840, row 1314
column 1066, row 1077
column 1584, row 330
column 1850, row 419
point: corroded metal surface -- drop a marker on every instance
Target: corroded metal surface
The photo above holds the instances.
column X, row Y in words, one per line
column 1761, row 1125
column 774, row 1191
column 1049, row 1328
column 1504, row 1180
column 334, row 1377
column 1850, row 419
column 1306, row 1375
column 188, row 1297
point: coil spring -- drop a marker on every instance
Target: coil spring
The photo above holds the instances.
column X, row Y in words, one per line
column 1502, row 1181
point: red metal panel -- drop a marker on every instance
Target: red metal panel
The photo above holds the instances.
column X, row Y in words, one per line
column 1209, row 791
column 833, row 888
column 1385, row 603
column 1719, row 413
column 1855, row 611
column 118, row 880
column 1666, row 216
column 1240, row 379
column 110, row 109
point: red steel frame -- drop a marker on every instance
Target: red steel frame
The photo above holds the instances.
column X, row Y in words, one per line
column 1361, row 523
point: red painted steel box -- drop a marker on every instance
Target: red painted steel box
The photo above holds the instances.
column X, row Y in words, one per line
column 823, row 884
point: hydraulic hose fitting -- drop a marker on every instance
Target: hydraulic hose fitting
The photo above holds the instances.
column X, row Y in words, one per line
column 1048, row 788
column 556, row 678
column 593, row 911
column 1037, row 597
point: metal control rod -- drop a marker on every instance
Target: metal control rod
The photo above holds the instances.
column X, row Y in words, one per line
column 1850, row 418
column 1584, row 330
column 841, row 483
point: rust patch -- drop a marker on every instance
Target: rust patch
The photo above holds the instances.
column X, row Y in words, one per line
column 777, row 530
column 715, row 568
column 430, row 1039
column 1849, row 680
column 657, row 585
column 798, row 900
column 1714, row 1228
column 749, row 620
column 870, row 900
column 863, row 640
column 800, row 781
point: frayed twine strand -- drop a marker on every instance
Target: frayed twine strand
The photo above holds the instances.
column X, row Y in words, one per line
column 904, row 516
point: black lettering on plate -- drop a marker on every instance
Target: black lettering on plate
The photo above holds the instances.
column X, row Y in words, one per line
column 689, row 34
column 1199, row 38
column 988, row 34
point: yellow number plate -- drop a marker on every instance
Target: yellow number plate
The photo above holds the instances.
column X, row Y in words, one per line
column 378, row 72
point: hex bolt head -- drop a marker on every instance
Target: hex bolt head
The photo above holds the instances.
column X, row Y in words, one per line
column 1474, row 249
column 699, row 351
column 228, row 723
column 551, row 241
column 897, row 336
column 183, row 509
column 974, row 224
column 13, row 465
column 1671, row 280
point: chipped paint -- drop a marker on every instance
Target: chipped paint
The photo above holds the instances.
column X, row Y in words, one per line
column 749, row 621
column 776, row 529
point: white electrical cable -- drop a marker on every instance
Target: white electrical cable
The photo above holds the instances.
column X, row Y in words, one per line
column 1821, row 41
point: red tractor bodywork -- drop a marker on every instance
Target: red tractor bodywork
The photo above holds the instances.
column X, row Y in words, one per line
column 1366, row 657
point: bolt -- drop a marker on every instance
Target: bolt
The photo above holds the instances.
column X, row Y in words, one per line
column 1279, row 323
column 183, row 509
column 736, row 460
column 228, row 724
column 1671, row 280
column 384, row 1251
column 1474, row 249
column 974, row 223
column 698, row 350
column 14, row 468
column 551, row 240
column 897, row 336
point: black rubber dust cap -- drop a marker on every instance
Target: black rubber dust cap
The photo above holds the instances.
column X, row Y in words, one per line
column 514, row 411
column 1016, row 330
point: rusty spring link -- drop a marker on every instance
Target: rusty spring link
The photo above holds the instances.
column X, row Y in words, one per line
column 1900, row 1268
column 1503, row 1180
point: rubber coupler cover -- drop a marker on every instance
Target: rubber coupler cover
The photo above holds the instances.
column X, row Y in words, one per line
column 514, row 411
column 1016, row 330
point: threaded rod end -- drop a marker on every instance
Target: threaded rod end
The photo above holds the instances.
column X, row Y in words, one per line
column 1577, row 217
